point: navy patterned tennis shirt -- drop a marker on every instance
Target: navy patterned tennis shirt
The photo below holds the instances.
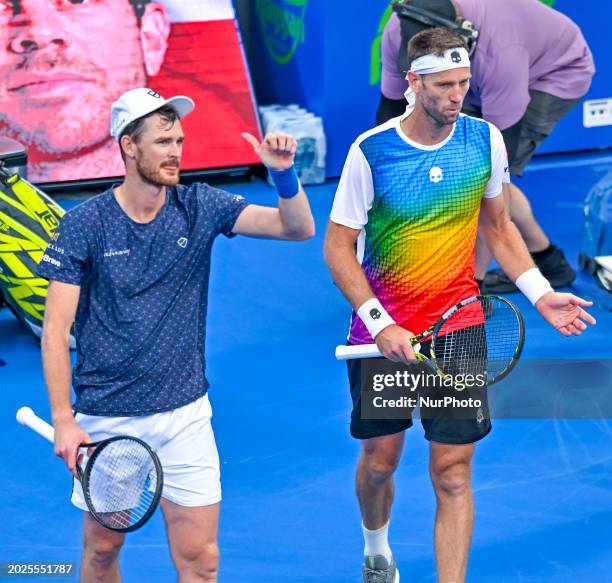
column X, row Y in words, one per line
column 141, row 320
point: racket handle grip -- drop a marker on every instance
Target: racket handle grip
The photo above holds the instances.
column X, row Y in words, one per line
column 358, row 351
column 27, row 417
column 344, row 352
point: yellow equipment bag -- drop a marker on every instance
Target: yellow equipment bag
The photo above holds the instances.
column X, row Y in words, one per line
column 28, row 220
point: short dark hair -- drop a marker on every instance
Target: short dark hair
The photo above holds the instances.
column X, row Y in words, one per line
column 135, row 129
column 433, row 40
column 139, row 7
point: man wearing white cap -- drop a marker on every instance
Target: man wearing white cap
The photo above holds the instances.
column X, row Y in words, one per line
column 400, row 246
column 131, row 268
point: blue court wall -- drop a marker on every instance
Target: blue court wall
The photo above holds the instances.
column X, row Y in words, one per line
column 570, row 135
column 317, row 53
column 324, row 55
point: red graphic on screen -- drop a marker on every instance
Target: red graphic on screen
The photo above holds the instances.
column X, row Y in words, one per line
column 204, row 62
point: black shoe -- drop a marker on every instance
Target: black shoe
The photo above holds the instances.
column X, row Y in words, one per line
column 497, row 282
column 554, row 268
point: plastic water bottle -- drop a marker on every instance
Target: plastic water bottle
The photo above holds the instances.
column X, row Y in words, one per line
column 308, row 130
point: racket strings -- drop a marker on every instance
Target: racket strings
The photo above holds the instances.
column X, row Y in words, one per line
column 122, row 483
column 480, row 338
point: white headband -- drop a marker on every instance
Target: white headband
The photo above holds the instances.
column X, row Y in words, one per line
column 451, row 59
column 427, row 64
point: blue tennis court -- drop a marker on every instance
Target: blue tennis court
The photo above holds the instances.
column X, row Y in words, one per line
column 543, row 488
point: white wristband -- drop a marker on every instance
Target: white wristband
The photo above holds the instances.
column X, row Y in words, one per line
column 374, row 316
column 533, row 284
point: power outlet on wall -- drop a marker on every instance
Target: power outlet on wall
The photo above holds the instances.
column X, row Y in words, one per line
column 597, row 112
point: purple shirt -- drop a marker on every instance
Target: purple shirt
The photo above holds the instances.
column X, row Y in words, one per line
column 523, row 45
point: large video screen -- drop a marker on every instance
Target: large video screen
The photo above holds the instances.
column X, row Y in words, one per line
column 64, row 62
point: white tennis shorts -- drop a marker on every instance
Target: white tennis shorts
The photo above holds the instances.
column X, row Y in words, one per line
column 184, row 442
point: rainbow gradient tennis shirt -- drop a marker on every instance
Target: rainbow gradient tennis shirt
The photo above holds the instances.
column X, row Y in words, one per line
column 417, row 209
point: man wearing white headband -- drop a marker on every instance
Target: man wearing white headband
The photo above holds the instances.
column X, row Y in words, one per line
column 409, row 201
column 525, row 96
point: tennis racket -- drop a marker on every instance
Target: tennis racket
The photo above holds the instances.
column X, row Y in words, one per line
column 480, row 335
column 122, row 477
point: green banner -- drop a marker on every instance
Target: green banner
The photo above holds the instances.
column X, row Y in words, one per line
column 375, row 50
column 282, row 26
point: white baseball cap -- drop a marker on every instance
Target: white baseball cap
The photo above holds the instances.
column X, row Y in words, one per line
column 137, row 103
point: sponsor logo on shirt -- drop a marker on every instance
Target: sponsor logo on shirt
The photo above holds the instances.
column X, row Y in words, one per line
column 115, row 253
column 436, row 175
column 52, row 261
column 182, row 242
column 55, row 248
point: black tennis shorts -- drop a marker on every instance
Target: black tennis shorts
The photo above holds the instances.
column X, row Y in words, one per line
column 466, row 422
column 543, row 113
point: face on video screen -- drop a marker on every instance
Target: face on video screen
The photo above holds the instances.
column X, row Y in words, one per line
column 64, row 62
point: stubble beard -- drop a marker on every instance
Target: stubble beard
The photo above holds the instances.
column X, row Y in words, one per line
column 438, row 118
column 153, row 175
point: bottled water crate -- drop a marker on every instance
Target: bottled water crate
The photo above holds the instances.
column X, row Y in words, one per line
column 307, row 128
